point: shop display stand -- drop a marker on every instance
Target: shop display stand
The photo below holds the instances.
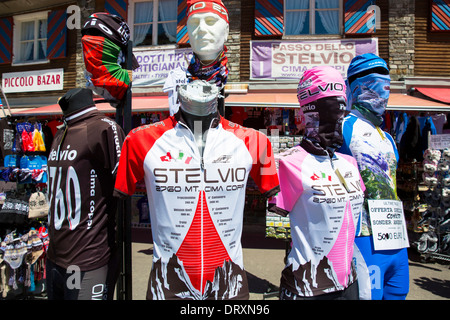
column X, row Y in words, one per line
column 123, row 118
column 15, row 225
column 434, row 243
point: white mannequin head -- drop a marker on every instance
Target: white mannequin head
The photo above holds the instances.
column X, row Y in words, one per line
column 207, row 34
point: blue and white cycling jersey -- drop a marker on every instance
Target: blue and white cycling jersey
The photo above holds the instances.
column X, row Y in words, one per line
column 377, row 157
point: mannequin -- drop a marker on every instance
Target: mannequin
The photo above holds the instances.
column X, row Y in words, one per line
column 382, row 274
column 198, row 116
column 321, row 190
column 82, row 166
column 188, row 160
column 105, row 39
column 208, row 29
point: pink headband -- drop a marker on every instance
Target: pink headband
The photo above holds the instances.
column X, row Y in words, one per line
column 320, row 82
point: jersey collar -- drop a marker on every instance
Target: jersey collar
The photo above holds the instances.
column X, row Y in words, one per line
column 178, row 117
column 80, row 114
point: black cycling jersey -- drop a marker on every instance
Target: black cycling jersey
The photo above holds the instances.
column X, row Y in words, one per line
column 81, row 166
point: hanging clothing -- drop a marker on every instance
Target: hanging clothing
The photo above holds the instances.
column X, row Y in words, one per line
column 439, row 121
column 175, row 79
column 7, row 132
column 411, row 142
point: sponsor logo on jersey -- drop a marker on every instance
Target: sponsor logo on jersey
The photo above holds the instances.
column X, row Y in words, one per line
column 336, row 192
column 63, row 155
column 348, row 175
column 223, row 159
column 338, row 87
column 323, row 176
column 182, row 157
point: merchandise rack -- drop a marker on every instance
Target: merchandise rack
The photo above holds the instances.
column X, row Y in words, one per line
column 438, row 207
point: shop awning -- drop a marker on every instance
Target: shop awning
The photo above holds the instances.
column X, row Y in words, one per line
column 139, row 104
column 438, row 94
column 289, row 100
column 284, row 99
column 404, row 102
column 281, row 100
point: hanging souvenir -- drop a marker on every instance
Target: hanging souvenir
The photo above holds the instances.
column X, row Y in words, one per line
column 104, row 39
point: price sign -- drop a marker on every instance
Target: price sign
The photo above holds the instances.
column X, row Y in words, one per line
column 388, row 224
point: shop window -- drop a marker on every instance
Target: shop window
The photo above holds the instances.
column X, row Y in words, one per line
column 153, row 22
column 319, row 17
column 33, row 38
column 30, row 38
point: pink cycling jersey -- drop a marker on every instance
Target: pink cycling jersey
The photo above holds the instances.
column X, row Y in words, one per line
column 323, row 197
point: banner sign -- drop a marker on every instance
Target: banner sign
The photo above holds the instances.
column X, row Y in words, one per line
column 155, row 65
column 388, row 224
column 285, row 59
column 29, row 81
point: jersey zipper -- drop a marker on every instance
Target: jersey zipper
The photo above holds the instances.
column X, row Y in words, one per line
column 201, row 198
column 62, row 141
column 380, row 132
column 344, row 184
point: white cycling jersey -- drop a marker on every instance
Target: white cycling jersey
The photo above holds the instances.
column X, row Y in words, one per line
column 323, row 197
column 196, row 203
column 377, row 157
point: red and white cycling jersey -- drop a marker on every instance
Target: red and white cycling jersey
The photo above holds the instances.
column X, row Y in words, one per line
column 323, row 212
column 196, row 203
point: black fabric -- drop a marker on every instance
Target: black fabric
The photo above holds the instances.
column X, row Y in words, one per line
column 15, row 209
column 411, row 143
column 380, row 70
column 109, row 26
column 67, row 284
column 424, row 136
column 349, row 293
column 75, row 99
column 323, row 119
column 7, row 132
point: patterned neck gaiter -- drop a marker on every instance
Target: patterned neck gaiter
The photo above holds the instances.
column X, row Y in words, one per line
column 216, row 72
column 369, row 95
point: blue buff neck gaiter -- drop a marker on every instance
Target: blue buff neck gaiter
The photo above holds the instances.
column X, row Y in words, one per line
column 369, row 95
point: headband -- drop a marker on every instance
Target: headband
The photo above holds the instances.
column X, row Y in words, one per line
column 214, row 6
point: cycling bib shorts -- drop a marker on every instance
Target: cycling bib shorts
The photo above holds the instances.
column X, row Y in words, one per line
column 385, row 272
